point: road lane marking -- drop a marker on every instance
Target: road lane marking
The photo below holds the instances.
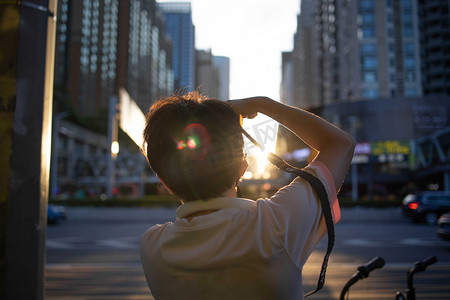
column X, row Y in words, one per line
column 362, row 243
column 59, row 245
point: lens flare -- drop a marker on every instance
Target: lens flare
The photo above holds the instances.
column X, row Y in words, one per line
column 195, row 137
column 180, row 145
column 191, row 143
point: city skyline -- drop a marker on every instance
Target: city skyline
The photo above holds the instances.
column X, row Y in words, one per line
column 253, row 34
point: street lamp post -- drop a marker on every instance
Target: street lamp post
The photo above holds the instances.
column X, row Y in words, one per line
column 55, row 145
column 113, row 145
column 354, row 166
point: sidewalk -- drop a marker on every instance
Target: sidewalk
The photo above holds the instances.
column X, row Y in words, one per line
column 164, row 214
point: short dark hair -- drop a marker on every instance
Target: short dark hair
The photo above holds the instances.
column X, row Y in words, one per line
column 194, row 145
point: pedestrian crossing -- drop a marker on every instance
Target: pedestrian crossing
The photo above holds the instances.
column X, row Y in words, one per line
column 82, row 243
column 127, row 281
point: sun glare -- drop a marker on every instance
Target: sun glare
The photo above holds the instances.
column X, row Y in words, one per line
column 261, row 160
column 264, row 130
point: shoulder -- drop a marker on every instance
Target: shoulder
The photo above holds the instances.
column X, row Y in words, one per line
column 154, row 233
column 319, row 170
column 297, row 195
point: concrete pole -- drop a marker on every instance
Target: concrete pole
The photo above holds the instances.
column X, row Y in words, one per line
column 31, row 134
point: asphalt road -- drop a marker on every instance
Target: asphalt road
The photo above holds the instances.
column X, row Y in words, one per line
column 94, row 255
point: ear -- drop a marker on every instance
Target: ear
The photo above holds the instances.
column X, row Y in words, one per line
column 243, row 168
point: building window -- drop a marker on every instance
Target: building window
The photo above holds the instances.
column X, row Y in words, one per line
column 370, row 93
column 368, row 32
column 408, row 29
column 369, row 76
column 366, row 4
column 410, row 92
column 409, row 48
column 368, row 49
column 410, row 75
column 409, row 62
column 369, row 62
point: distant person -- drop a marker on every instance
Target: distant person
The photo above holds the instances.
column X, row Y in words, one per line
column 221, row 246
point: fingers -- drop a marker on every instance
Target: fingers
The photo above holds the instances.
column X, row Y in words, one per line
column 243, row 107
column 251, row 116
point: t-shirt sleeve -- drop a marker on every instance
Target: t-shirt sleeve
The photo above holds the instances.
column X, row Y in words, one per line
column 296, row 215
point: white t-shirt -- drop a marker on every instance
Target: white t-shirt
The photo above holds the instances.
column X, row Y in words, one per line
column 245, row 250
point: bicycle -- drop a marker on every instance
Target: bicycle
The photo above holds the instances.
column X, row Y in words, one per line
column 378, row 262
column 419, row 266
column 363, row 272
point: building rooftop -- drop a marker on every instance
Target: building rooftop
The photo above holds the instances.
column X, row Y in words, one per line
column 175, row 7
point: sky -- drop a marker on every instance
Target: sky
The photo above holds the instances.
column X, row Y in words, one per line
column 253, row 34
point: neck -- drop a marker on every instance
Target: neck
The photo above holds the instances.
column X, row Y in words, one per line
column 230, row 193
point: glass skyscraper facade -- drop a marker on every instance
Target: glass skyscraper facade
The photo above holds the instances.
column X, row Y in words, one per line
column 149, row 73
column 86, row 52
column 356, row 50
column 389, row 48
column 434, row 27
column 178, row 17
column 104, row 45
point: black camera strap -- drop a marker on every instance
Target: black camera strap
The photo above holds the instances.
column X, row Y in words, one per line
column 319, row 188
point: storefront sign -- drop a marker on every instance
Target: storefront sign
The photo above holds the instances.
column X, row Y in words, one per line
column 390, row 147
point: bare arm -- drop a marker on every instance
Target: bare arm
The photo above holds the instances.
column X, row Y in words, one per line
column 334, row 145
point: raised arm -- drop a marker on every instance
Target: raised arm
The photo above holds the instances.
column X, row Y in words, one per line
column 334, row 145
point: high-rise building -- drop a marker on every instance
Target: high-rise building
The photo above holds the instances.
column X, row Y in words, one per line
column 178, row 17
column 434, row 27
column 325, row 55
column 145, row 69
column 287, row 78
column 389, row 46
column 86, row 53
column 222, row 65
column 212, row 75
column 104, row 45
column 356, row 50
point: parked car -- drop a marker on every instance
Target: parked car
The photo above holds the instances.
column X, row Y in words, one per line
column 55, row 214
column 444, row 226
column 426, row 206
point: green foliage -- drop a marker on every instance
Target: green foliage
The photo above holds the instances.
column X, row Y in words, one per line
column 147, row 201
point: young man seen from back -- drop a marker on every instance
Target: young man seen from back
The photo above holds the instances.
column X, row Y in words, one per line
column 221, row 246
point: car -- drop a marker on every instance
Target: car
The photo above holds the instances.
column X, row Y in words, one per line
column 426, row 207
column 56, row 214
column 444, row 226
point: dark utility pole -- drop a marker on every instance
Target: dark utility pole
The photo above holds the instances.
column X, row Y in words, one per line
column 27, row 33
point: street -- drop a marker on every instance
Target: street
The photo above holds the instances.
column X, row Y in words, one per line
column 94, row 255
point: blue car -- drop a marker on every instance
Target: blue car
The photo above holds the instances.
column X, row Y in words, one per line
column 55, row 214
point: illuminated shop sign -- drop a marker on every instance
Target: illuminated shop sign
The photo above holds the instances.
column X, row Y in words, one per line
column 390, row 147
column 362, row 152
column 381, row 151
column 391, row 151
column 362, row 148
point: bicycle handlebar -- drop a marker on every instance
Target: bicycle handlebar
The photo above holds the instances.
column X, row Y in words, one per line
column 420, row 266
column 363, row 272
column 378, row 262
column 375, row 263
